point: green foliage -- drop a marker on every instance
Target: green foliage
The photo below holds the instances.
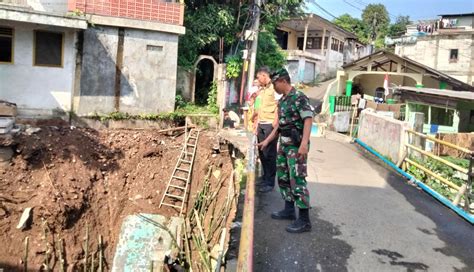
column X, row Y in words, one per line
column 212, row 105
column 241, row 176
column 269, row 52
column 175, row 116
column 234, row 66
column 207, row 21
column 353, row 25
column 204, row 27
column 399, row 27
column 179, row 102
column 443, row 170
column 375, row 16
column 374, row 26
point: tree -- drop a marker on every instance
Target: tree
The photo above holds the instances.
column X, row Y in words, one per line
column 269, row 52
column 206, row 21
column 375, row 16
column 353, row 25
column 399, row 27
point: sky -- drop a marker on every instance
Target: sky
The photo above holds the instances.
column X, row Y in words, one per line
column 416, row 9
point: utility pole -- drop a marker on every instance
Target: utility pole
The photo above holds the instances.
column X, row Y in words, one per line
column 253, row 49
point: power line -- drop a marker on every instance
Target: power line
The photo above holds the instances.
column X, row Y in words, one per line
column 354, row 6
column 323, row 9
column 364, row 4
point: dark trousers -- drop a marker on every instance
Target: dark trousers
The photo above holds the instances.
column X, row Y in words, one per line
column 268, row 155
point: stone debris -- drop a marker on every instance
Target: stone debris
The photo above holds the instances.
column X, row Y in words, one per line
column 22, row 224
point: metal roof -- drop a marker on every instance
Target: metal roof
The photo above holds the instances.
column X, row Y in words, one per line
column 458, row 15
column 438, row 92
column 457, row 84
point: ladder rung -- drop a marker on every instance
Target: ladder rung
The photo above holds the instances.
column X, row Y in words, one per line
column 192, row 137
column 192, row 145
column 186, row 161
column 171, row 205
column 176, row 186
column 174, row 196
column 184, row 170
column 180, row 178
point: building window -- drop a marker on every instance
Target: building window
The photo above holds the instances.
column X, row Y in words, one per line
column 421, row 108
column 442, row 116
column 336, row 45
column 311, row 43
column 6, row 45
column 48, row 48
column 453, row 55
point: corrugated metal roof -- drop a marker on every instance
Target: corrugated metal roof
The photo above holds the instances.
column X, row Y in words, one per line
column 439, row 92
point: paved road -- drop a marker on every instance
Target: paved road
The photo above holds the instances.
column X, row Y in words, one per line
column 365, row 218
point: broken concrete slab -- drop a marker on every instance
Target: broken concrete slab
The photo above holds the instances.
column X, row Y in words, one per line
column 144, row 238
column 7, row 109
column 6, row 124
column 6, row 153
column 32, row 130
column 25, row 216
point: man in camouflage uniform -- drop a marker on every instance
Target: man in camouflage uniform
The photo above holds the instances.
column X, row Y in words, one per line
column 295, row 117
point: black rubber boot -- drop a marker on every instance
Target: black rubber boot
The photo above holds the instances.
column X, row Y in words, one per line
column 302, row 224
column 288, row 213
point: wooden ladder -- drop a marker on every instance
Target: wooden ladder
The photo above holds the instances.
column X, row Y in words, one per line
column 177, row 189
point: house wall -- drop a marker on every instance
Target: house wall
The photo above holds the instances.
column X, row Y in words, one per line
column 184, row 83
column 434, row 51
column 148, row 75
column 54, row 6
column 38, row 90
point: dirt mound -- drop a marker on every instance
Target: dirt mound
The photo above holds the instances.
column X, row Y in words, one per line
column 73, row 178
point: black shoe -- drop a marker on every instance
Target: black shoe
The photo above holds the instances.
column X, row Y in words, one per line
column 265, row 189
column 299, row 226
column 286, row 214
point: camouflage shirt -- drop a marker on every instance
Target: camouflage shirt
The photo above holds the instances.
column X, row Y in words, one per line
column 293, row 108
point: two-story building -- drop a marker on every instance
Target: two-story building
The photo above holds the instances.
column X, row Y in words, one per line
column 445, row 44
column 88, row 56
column 316, row 47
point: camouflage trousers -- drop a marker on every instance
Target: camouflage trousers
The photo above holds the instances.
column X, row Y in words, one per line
column 291, row 175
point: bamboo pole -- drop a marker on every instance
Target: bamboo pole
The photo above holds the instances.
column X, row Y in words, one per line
column 151, row 265
column 47, row 250
column 462, row 149
column 25, row 258
column 436, row 176
column 457, row 167
column 61, row 256
column 101, row 254
column 174, row 129
column 467, row 194
column 92, row 262
column 86, row 248
column 461, row 191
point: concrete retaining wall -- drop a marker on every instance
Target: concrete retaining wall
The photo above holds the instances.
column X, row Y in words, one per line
column 385, row 135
